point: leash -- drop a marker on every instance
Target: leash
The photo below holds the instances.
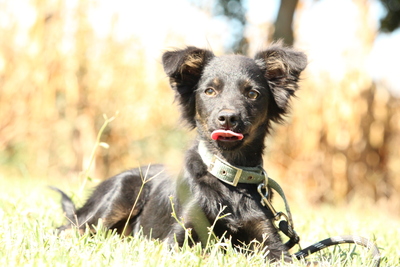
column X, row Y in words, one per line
column 286, row 226
column 343, row 239
column 283, row 222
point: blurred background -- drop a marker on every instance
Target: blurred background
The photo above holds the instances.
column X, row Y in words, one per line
column 65, row 63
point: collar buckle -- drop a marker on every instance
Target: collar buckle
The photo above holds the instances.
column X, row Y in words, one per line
column 237, row 176
column 221, row 173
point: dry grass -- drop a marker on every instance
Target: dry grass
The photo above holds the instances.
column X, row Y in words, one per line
column 57, row 79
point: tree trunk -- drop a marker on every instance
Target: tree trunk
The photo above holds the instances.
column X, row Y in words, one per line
column 283, row 23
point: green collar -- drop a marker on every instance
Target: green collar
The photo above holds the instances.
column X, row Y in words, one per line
column 231, row 174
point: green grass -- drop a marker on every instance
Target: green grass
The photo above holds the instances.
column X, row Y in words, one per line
column 29, row 212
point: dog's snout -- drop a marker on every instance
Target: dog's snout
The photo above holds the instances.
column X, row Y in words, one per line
column 228, row 118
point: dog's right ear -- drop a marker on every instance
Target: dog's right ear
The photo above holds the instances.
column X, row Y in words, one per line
column 184, row 69
column 282, row 67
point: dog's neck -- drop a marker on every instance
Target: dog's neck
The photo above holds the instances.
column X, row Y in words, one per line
column 248, row 156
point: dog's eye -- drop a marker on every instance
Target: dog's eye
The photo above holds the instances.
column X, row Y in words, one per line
column 253, row 94
column 210, row 92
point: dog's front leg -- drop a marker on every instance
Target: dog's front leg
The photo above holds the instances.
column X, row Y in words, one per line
column 267, row 235
column 193, row 226
column 182, row 234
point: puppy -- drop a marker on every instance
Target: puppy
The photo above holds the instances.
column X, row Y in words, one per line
column 231, row 102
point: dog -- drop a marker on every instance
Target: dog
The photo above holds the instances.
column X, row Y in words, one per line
column 231, row 101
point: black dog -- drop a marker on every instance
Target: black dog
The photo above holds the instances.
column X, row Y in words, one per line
column 231, row 101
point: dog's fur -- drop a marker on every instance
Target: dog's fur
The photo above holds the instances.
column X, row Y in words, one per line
column 235, row 93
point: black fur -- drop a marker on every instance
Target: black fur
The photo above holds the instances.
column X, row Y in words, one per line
column 233, row 93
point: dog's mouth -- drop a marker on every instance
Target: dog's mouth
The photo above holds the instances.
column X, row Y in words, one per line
column 226, row 135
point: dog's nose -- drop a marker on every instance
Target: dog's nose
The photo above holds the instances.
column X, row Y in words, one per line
column 228, row 118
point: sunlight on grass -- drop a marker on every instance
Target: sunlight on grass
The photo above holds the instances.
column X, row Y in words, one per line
column 30, row 212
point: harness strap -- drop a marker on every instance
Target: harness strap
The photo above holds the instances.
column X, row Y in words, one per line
column 199, row 221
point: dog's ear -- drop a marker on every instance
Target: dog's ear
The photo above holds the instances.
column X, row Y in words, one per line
column 282, row 67
column 184, row 69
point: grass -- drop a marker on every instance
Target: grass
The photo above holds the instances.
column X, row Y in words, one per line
column 29, row 212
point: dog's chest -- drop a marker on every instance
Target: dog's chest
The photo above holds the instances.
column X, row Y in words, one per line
column 233, row 205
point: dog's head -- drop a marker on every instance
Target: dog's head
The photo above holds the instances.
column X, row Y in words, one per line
column 233, row 99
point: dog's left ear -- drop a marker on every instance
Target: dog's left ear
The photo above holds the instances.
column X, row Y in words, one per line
column 282, row 67
column 184, row 68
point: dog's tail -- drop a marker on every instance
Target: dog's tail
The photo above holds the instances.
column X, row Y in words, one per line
column 67, row 205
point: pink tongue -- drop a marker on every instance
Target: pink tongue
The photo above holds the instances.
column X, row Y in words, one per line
column 225, row 134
